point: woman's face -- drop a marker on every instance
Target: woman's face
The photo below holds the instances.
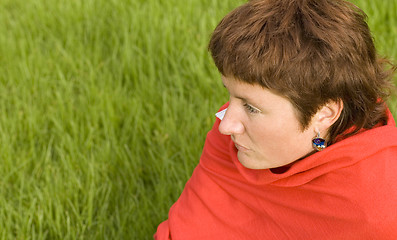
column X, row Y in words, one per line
column 264, row 127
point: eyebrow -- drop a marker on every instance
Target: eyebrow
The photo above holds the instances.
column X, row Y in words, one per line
column 241, row 98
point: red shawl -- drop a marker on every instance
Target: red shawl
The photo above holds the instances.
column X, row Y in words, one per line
column 347, row 191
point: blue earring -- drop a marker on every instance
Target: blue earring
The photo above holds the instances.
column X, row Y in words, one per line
column 319, row 143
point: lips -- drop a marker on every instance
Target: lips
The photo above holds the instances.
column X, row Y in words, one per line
column 241, row 148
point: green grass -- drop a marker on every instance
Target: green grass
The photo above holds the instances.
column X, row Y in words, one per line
column 104, row 108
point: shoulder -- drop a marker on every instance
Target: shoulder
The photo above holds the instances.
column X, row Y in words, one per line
column 371, row 186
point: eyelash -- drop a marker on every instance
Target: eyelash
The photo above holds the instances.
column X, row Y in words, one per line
column 251, row 109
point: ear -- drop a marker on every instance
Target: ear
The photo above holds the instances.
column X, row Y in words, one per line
column 327, row 115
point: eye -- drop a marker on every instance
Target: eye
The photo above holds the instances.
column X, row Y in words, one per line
column 251, row 109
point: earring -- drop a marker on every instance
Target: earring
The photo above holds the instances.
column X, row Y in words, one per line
column 319, row 143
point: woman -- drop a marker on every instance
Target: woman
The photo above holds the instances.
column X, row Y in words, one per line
column 306, row 147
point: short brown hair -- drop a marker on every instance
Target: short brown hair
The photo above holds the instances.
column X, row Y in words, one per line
column 311, row 52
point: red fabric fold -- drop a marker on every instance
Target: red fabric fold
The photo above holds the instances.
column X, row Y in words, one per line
column 347, row 191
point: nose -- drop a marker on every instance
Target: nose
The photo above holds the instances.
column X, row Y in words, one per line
column 231, row 123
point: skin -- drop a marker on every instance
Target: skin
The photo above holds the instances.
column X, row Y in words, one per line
column 264, row 126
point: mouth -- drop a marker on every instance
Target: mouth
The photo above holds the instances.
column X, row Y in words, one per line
column 240, row 147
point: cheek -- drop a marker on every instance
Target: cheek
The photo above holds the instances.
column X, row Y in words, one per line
column 269, row 135
column 281, row 135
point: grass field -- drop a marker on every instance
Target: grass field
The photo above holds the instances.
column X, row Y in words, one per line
column 104, row 108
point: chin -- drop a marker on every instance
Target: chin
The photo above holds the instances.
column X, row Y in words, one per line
column 251, row 163
column 255, row 163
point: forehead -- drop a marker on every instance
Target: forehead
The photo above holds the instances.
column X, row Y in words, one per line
column 235, row 85
column 253, row 93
